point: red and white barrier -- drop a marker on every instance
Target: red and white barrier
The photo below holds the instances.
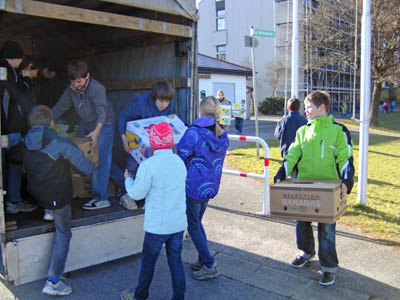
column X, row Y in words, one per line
column 264, row 176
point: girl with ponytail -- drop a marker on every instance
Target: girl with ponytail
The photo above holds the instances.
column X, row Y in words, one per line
column 203, row 149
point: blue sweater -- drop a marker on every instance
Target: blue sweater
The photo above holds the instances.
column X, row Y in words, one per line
column 286, row 128
column 142, row 107
column 203, row 153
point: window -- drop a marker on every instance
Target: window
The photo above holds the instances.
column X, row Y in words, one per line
column 220, row 13
column 221, row 52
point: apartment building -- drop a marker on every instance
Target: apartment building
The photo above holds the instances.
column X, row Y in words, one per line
column 222, row 28
column 224, row 23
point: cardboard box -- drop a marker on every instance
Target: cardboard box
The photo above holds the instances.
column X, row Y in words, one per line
column 307, row 200
column 88, row 150
column 138, row 132
column 225, row 114
column 82, row 187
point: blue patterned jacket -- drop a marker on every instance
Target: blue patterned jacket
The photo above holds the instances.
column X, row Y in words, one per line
column 203, row 153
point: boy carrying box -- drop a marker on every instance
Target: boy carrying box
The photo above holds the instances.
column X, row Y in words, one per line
column 322, row 150
column 46, row 158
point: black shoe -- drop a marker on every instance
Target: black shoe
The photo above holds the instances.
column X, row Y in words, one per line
column 300, row 262
column 327, row 279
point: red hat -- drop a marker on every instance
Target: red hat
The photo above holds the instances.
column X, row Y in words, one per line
column 161, row 136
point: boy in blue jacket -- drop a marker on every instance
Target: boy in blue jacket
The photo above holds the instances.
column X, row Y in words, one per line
column 286, row 127
column 156, row 103
column 46, row 158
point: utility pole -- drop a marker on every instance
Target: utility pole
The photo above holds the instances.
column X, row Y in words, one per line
column 366, row 100
column 355, row 61
column 295, row 50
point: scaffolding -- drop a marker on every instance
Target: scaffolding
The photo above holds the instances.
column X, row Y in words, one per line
column 342, row 83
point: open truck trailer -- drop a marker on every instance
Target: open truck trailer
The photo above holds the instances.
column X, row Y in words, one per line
column 129, row 45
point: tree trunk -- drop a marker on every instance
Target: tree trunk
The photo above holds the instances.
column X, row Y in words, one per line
column 376, row 99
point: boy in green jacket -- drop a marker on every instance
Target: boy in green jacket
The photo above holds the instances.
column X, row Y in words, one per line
column 322, row 150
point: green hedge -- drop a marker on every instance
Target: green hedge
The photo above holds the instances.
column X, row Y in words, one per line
column 271, row 106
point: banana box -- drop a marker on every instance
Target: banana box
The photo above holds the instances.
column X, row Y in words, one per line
column 138, row 132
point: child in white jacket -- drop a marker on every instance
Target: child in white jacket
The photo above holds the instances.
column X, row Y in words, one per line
column 161, row 180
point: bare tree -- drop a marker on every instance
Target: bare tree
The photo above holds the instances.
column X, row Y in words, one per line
column 332, row 41
column 275, row 71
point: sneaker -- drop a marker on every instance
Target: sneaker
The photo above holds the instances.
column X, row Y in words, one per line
column 128, row 295
column 300, row 262
column 327, row 279
column 96, row 204
column 206, row 273
column 56, row 289
column 17, row 207
column 48, row 215
column 196, row 266
column 128, row 202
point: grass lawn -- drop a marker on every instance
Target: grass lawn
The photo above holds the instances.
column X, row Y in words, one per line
column 380, row 219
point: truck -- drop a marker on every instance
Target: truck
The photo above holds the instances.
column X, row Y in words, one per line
column 129, row 45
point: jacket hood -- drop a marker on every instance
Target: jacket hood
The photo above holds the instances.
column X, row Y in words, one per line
column 217, row 144
column 38, row 137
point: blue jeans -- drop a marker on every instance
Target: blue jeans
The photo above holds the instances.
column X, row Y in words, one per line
column 151, row 249
column 14, row 180
column 327, row 244
column 239, row 125
column 117, row 174
column 62, row 237
column 101, row 175
column 195, row 210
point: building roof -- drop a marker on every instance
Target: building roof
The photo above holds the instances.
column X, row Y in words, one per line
column 208, row 65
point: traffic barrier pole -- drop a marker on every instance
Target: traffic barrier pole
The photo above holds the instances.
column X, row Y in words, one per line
column 264, row 176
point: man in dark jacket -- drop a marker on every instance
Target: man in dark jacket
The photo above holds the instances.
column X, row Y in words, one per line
column 46, row 158
column 286, row 128
column 14, row 109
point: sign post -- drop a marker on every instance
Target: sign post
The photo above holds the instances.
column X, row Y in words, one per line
column 253, row 42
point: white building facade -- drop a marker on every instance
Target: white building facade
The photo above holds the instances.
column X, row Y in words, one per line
column 222, row 28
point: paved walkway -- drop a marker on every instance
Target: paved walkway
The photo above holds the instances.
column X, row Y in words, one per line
column 253, row 254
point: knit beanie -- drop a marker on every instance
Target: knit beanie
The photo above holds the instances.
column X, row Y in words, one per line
column 161, row 136
column 10, row 50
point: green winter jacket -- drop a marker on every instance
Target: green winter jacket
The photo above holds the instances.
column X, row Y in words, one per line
column 322, row 150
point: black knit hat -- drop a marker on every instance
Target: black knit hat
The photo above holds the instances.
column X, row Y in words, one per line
column 10, row 50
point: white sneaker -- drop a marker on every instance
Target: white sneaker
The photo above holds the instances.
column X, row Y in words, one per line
column 96, row 204
column 59, row 288
column 128, row 202
column 48, row 215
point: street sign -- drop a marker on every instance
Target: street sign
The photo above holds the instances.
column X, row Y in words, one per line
column 250, row 41
column 264, row 33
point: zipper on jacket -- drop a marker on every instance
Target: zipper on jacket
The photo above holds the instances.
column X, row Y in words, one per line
column 322, row 148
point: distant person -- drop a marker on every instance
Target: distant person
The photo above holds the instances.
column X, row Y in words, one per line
column 285, row 130
column 203, row 149
column 385, row 107
column 322, row 150
column 223, row 101
column 14, row 123
column 239, row 120
column 47, row 159
column 161, row 180
column 89, row 98
column 344, row 109
column 381, row 107
column 393, row 105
